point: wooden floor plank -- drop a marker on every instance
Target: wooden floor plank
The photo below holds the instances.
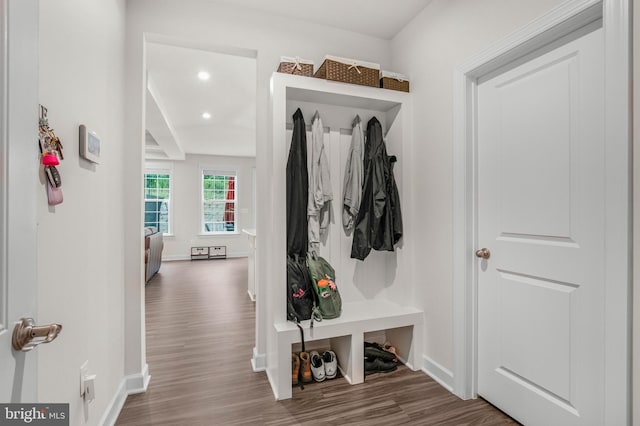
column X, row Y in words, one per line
column 200, row 336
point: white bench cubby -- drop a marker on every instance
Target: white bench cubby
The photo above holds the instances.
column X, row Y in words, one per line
column 346, row 335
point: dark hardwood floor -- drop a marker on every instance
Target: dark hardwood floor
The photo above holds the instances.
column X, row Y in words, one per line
column 200, row 335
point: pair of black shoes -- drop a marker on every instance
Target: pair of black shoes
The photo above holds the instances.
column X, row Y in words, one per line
column 378, row 360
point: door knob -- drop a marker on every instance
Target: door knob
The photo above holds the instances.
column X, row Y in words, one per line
column 27, row 335
column 483, row 253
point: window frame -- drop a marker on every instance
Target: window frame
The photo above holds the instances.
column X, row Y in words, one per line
column 218, row 171
column 161, row 169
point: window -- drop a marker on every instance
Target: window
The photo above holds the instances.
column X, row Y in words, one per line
column 218, row 202
column 157, row 200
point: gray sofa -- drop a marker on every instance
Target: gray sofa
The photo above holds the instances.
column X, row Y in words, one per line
column 153, row 245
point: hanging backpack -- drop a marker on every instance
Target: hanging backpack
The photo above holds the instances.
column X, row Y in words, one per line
column 323, row 278
column 300, row 297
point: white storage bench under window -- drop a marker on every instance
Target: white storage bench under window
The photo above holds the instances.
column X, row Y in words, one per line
column 403, row 327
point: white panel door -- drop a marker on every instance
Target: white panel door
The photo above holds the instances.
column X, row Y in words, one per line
column 541, row 215
column 18, row 186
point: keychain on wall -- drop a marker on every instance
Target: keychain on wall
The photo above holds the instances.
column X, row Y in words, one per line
column 50, row 156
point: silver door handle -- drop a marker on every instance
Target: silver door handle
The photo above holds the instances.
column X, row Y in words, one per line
column 27, row 335
column 483, row 253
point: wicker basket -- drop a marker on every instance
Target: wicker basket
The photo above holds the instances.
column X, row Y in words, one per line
column 296, row 66
column 394, row 81
column 349, row 71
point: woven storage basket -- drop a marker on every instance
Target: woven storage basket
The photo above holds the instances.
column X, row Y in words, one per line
column 394, row 81
column 295, row 66
column 349, row 71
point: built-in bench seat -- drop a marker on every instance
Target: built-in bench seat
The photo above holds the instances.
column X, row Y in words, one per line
column 403, row 327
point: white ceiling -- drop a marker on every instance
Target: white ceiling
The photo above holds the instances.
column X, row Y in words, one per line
column 377, row 18
column 176, row 98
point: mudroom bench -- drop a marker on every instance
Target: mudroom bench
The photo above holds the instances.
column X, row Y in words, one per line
column 403, row 327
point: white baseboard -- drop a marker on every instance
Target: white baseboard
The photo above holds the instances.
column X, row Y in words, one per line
column 115, row 406
column 174, row 257
column 258, row 361
column 271, row 382
column 136, row 383
column 438, row 373
column 239, row 254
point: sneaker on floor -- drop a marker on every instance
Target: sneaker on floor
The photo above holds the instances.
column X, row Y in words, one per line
column 317, row 366
column 377, row 365
column 295, row 368
column 330, row 364
column 305, row 367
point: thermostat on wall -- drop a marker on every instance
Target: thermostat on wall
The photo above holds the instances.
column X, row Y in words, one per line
column 89, row 145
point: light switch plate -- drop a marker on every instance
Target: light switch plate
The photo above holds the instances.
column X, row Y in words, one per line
column 84, row 371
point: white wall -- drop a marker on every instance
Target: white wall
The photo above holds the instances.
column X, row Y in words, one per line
column 440, row 38
column 186, row 199
column 444, row 35
column 81, row 241
column 636, row 218
column 210, row 25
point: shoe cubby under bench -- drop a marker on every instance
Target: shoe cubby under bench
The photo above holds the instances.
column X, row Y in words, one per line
column 403, row 327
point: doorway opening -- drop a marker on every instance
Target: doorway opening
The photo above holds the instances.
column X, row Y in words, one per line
column 199, row 151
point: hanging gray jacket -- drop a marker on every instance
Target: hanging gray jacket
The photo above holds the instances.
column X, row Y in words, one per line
column 353, row 177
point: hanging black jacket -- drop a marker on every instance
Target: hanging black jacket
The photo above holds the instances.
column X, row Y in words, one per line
column 379, row 222
column 297, row 189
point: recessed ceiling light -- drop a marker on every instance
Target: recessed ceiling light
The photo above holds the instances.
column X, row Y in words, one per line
column 206, row 115
column 204, row 76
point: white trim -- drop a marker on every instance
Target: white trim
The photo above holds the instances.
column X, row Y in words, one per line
column 4, row 174
column 438, row 373
column 259, row 362
column 114, row 407
column 254, row 202
column 238, row 254
column 138, row 383
column 176, row 257
column 618, row 236
column 219, row 234
column 135, row 383
column 464, row 232
column 558, row 23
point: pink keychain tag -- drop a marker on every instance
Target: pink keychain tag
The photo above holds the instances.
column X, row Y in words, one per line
column 54, row 195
